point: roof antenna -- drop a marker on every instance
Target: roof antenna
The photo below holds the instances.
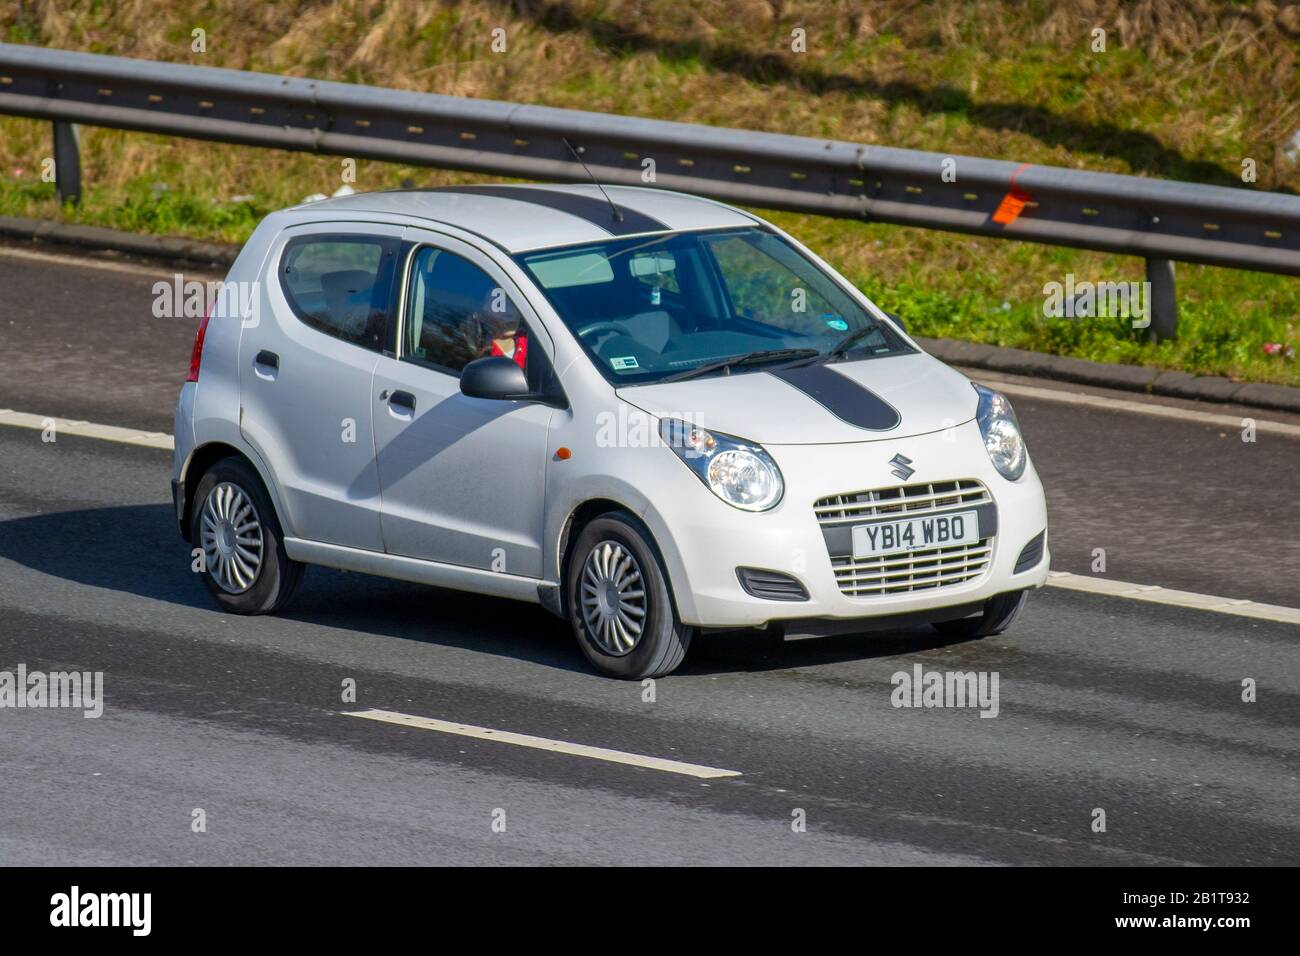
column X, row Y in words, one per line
column 618, row 216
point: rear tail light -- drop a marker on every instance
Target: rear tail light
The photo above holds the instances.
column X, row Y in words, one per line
column 196, row 356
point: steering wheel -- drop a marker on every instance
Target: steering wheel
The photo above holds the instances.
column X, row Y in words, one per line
column 604, row 325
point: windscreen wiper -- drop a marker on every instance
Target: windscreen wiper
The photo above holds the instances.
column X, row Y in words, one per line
column 839, row 350
column 852, row 339
column 749, row 358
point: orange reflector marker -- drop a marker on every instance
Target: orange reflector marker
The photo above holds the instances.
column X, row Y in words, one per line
column 563, row 454
column 1013, row 203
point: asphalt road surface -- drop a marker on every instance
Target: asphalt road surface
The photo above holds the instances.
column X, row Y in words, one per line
column 1104, row 704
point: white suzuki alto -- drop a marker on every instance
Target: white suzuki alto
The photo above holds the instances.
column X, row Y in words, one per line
column 650, row 413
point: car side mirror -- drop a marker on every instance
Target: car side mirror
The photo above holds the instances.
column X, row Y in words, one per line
column 897, row 320
column 495, row 377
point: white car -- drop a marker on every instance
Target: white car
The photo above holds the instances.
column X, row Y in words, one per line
column 650, row 413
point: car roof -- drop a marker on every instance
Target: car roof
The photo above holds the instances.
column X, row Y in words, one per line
column 524, row 217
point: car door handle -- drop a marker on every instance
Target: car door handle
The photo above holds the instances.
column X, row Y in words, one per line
column 266, row 364
column 402, row 400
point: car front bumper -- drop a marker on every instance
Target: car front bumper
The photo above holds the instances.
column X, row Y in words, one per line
column 704, row 541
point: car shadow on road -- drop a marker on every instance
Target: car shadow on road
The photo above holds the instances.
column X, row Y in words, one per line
column 752, row 651
column 135, row 549
column 131, row 548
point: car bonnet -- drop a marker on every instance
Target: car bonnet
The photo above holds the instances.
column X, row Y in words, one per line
column 889, row 397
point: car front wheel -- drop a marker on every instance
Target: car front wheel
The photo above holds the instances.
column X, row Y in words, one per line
column 619, row 602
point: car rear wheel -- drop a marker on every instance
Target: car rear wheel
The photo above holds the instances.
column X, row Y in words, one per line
column 619, row 603
column 999, row 612
column 244, row 564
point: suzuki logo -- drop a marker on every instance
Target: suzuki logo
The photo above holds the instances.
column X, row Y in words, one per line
column 900, row 469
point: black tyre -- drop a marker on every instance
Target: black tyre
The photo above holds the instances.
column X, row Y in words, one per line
column 998, row 614
column 245, row 566
column 619, row 602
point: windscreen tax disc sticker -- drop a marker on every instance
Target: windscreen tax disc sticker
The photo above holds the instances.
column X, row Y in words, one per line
column 622, row 363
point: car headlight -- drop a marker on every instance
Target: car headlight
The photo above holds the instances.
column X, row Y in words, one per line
column 740, row 473
column 1001, row 431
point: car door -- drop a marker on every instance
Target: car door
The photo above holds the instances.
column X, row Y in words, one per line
column 306, row 368
column 462, row 478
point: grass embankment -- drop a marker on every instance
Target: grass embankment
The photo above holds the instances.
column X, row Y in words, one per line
column 1185, row 90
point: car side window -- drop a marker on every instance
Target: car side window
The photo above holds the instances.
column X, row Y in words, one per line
column 457, row 313
column 341, row 285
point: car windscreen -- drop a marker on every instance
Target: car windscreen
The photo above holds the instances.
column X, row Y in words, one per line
column 649, row 307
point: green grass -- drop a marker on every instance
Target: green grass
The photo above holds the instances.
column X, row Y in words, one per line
column 1215, row 337
column 137, row 207
column 1193, row 90
column 975, row 289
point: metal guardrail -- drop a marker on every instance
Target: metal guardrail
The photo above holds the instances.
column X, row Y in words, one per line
column 1159, row 220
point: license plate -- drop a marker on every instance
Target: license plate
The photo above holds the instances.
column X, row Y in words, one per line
column 916, row 534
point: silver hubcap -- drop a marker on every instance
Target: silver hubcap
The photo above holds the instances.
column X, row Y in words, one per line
column 231, row 537
column 613, row 598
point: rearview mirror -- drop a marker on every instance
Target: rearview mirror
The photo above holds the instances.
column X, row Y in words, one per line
column 495, row 377
column 652, row 263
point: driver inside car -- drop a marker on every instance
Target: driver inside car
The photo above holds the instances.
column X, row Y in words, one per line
column 504, row 331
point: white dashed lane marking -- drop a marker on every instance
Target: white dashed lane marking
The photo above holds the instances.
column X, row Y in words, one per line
column 543, row 743
column 83, row 429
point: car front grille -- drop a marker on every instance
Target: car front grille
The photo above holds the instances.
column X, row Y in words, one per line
column 915, row 500
column 906, row 571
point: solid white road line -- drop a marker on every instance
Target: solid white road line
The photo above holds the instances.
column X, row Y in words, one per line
column 104, row 265
column 543, row 743
column 1158, row 595
column 1232, row 422
column 1060, row 579
column 83, row 429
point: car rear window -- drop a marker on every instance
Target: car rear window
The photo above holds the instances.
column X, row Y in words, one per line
column 341, row 285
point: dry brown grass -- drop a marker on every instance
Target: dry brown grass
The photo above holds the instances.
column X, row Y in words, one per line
column 1186, row 90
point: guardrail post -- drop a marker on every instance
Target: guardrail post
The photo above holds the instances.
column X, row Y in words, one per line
column 1162, row 300
column 67, row 162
